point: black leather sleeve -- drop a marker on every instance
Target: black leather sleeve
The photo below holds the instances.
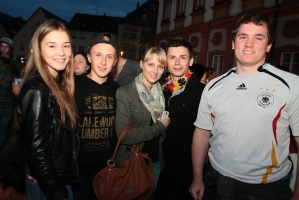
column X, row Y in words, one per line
column 35, row 117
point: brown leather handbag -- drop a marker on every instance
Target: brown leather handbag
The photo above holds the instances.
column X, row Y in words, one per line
column 133, row 180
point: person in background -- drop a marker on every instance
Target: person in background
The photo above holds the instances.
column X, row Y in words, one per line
column 96, row 102
column 81, row 63
column 211, row 73
column 12, row 182
column 6, row 97
column 124, row 71
column 243, row 122
column 140, row 105
column 201, row 72
column 182, row 91
column 47, row 114
column 16, row 64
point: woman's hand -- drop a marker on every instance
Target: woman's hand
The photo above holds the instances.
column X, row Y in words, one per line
column 165, row 122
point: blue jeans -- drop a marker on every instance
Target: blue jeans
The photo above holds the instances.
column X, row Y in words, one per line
column 157, row 172
column 35, row 193
column 5, row 117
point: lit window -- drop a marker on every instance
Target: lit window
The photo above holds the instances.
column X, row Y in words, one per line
column 167, row 10
column 182, row 6
column 217, row 63
column 291, row 60
column 200, row 2
column 195, row 59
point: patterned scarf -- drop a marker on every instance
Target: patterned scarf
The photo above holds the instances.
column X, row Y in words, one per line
column 176, row 87
column 154, row 101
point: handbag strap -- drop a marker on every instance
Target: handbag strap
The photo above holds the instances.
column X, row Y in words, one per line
column 121, row 136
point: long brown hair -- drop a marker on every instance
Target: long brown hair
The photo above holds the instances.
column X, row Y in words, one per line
column 62, row 87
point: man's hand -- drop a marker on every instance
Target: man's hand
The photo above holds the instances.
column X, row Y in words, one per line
column 197, row 189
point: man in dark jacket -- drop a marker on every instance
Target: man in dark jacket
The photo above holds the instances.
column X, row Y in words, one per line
column 182, row 91
column 95, row 98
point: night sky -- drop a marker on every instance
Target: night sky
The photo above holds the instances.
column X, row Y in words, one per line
column 66, row 9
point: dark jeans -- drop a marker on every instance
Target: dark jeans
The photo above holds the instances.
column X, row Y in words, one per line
column 221, row 187
column 5, row 117
column 84, row 190
column 174, row 184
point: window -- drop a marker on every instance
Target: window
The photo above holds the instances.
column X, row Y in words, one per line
column 125, row 53
column 182, row 6
column 144, row 17
column 81, row 49
column 154, row 7
column 132, row 54
column 73, row 34
column 39, row 22
column 141, row 55
column 200, row 2
column 291, row 60
column 21, row 47
column 134, row 33
column 167, row 10
column 82, row 35
column 195, row 59
column 126, row 32
column 74, row 48
column 217, row 63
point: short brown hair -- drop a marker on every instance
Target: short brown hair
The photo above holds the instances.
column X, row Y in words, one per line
column 258, row 19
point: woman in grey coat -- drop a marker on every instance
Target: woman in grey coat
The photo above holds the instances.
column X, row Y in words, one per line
column 140, row 105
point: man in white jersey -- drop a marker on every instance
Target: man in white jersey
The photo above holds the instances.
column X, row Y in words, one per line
column 247, row 111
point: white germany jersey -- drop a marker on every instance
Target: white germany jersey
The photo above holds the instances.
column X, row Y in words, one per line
column 249, row 116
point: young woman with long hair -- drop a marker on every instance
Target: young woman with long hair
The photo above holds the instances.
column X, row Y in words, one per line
column 47, row 114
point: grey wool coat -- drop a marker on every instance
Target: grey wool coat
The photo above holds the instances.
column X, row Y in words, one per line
column 131, row 111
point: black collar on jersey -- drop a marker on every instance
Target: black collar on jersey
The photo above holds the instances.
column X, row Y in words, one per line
column 260, row 69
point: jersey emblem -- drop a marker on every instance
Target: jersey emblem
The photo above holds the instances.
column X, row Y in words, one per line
column 265, row 100
column 241, row 87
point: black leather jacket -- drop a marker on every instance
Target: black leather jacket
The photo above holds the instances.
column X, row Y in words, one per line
column 51, row 149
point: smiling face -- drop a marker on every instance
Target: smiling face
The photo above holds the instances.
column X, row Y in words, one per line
column 56, row 51
column 251, row 45
column 102, row 58
column 178, row 61
column 80, row 64
column 152, row 71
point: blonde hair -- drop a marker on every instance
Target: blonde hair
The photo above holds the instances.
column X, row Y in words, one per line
column 62, row 87
column 161, row 55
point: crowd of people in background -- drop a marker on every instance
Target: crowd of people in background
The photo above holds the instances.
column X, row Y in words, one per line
column 227, row 136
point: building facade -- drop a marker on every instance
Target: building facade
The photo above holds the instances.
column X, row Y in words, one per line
column 22, row 38
column 208, row 25
column 136, row 32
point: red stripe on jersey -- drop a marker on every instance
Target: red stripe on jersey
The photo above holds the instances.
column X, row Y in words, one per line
column 274, row 123
column 213, row 115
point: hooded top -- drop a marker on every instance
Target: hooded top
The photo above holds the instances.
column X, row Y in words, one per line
column 96, row 105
